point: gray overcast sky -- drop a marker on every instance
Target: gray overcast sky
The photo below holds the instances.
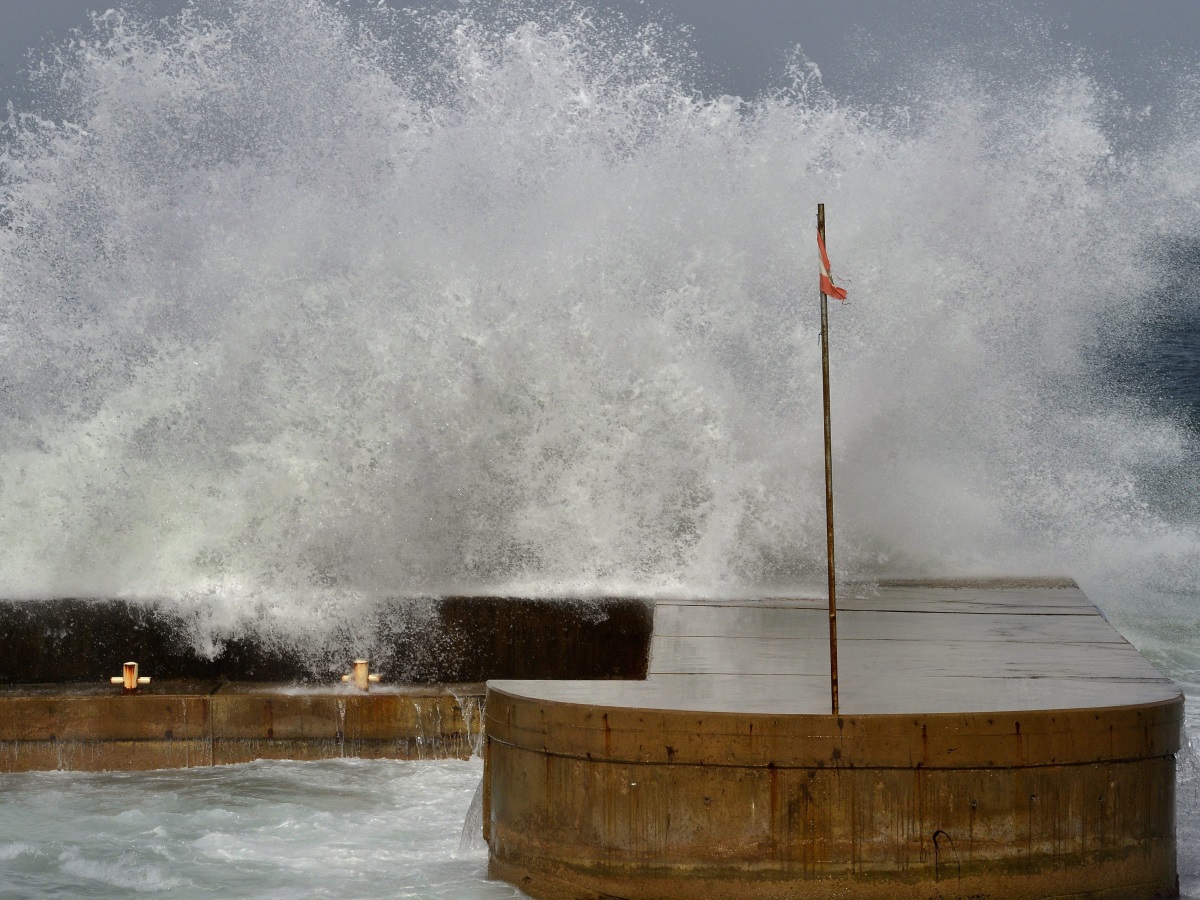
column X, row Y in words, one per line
column 741, row 45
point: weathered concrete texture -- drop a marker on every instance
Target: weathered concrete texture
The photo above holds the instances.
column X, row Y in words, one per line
column 422, row 641
column 723, row 819
column 179, row 725
column 952, row 772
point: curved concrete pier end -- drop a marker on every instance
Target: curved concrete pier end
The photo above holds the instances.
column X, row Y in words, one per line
column 996, row 740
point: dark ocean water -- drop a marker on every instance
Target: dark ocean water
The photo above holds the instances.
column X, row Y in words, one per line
column 1163, row 368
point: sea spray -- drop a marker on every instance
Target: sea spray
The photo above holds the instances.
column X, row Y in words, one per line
column 301, row 310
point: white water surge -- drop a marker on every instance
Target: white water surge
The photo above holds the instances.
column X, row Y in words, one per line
column 300, row 310
column 343, row 828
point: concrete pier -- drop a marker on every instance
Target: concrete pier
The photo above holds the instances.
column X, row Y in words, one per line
column 257, row 700
column 996, row 740
column 187, row 724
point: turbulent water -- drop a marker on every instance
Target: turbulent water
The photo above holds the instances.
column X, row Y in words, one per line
column 344, row 828
column 303, row 308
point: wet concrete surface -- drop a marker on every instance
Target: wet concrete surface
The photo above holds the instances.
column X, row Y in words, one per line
column 901, row 648
column 994, row 739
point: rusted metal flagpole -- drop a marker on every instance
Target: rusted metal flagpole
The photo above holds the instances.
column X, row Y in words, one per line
column 833, row 665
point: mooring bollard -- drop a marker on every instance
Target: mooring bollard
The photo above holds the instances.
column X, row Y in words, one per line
column 130, row 678
column 363, row 678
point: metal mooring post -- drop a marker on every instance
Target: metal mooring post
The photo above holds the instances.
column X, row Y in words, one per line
column 129, row 678
column 362, row 676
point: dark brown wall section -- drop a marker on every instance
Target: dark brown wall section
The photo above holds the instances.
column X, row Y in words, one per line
column 453, row 639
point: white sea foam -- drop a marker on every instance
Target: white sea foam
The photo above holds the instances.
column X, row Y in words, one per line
column 126, row 872
column 17, row 848
column 301, row 311
column 267, row 829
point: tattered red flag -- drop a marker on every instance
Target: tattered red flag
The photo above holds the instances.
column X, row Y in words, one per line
column 827, row 285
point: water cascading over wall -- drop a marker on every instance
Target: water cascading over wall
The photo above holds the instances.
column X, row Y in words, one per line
column 301, row 311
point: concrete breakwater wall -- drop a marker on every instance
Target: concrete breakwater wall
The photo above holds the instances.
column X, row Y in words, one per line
column 255, row 700
column 184, row 724
column 424, row 641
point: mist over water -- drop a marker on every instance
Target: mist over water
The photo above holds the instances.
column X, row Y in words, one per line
column 301, row 310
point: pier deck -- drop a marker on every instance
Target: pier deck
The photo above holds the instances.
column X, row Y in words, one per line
column 994, row 739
